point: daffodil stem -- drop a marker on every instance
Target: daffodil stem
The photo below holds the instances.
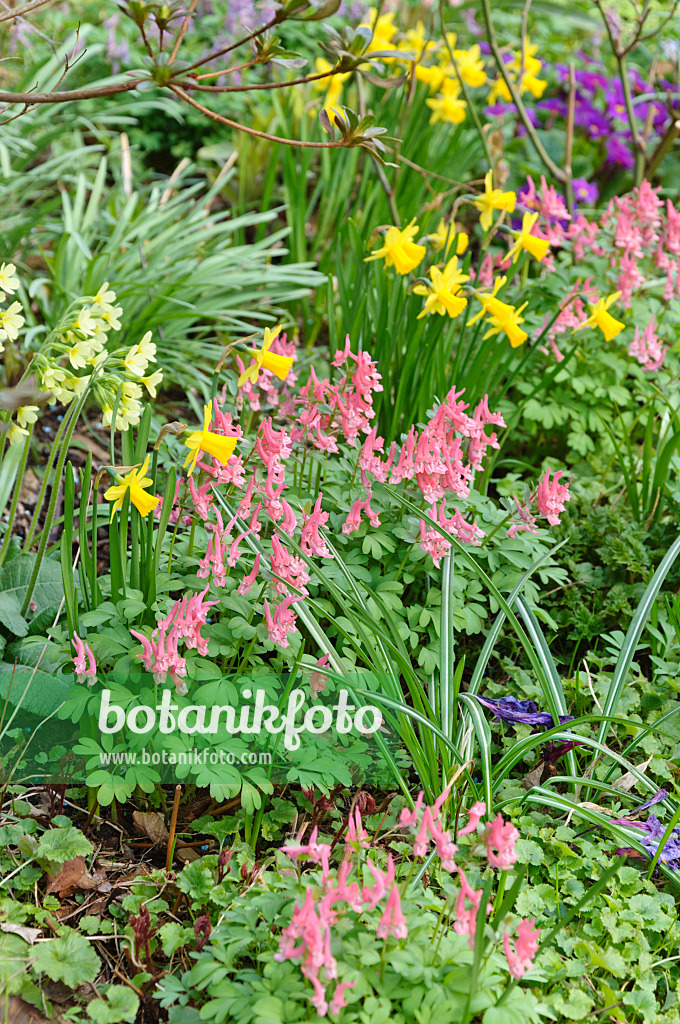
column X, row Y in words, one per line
column 47, row 525
column 550, row 164
column 470, row 105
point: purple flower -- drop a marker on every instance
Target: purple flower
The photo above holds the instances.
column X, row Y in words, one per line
column 586, row 116
column 618, row 153
column 554, row 105
column 585, row 191
column 524, row 712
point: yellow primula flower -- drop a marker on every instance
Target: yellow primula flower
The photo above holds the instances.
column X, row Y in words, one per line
column 8, row 282
column 27, row 414
column 448, row 106
column 507, row 321
column 11, row 322
column 443, row 294
column 16, row 434
column 140, row 355
column 105, row 296
column 135, row 481
column 493, row 199
column 536, row 245
column 602, row 318
column 152, row 381
column 445, row 234
column 471, row 66
column 220, row 447
column 399, row 250
column 266, row 360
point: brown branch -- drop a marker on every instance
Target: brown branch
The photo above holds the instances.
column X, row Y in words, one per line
column 234, row 46
column 192, row 84
column 182, row 32
column 31, row 98
column 19, row 12
column 252, row 131
column 226, row 71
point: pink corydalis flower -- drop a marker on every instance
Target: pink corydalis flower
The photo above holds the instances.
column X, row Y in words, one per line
column 356, row 835
column 246, row 583
column 311, row 541
column 500, row 842
column 317, row 680
column 84, row 664
column 338, row 1001
column 551, row 497
column 392, row 921
column 466, row 917
column 317, row 852
column 647, row 348
column 526, row 947
column 475, row 815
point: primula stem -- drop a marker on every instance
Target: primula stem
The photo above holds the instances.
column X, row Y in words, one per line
column 63, row 426
column 15, row 497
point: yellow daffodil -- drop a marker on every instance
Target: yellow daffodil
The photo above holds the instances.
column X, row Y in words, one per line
column 444, row 236
column 443, row 294
column 8, row 282
column 448, row 106
column 522, row 71
column 432, row 76
column 399, row 250
column 600, row 317
column 382, row 29
column 493, row 199
column 536, row 245
column 11, row 321
column 417, row 44
column 471, row 66
column 491, row 304
column 332, row 86
column 266, row 360
column 507, row 321
column 220, row 447
column 135, row 481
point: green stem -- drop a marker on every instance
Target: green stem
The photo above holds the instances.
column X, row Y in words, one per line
column 15, row 497
column 550, row 164
column 56, row 447
column 47, row 526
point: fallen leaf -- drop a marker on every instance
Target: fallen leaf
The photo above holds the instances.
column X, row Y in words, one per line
column 627, row 781
column 28, row 934
column 74, row 875
column 21, row 1012
column 151, row 824
column 186, row 854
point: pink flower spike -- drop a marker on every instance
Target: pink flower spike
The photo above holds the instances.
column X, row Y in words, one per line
column 551, row 497
column 248, row 580
column 411, row 817
column 501, row 835
column 475, row 814
column 526, row 947
column 338, row 1000
column 84, row 664
column 392, row 921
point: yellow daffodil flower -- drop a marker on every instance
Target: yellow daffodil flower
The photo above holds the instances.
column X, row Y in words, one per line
column 507, row 322
column 493, row 199
column 220, row 447
column 536, row 245
column 331, row 86
column 448, row 106
column 443, row 294
column 399, row 250
column 266, row 360
column 491, row 304
column 522, row 71
column 382, row 29
column 135, row 481
column 600, row 317
column 432, row 76
column 471, row 66
column 444, row 236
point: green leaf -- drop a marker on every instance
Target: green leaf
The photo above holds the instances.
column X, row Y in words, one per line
column 15, row 576
column 44, row 691
column 120, row 1006
column 62, row 844
column 10, row 615
column 69, row 958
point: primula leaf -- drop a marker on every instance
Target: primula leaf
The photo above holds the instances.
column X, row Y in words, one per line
column 46, row 690
column 120, row 1006
column 10, row 615
column 69, row 958
column 16, row 574
column 62, row 844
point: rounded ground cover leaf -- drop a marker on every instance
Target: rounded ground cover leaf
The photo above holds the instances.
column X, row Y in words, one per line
column 69, row 958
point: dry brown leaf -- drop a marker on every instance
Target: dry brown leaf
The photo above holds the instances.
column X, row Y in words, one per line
column 21, row 1012
column 74, row 875
column 151, row 824
column 627, row 781
column 186, row 854
column 28, row 934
